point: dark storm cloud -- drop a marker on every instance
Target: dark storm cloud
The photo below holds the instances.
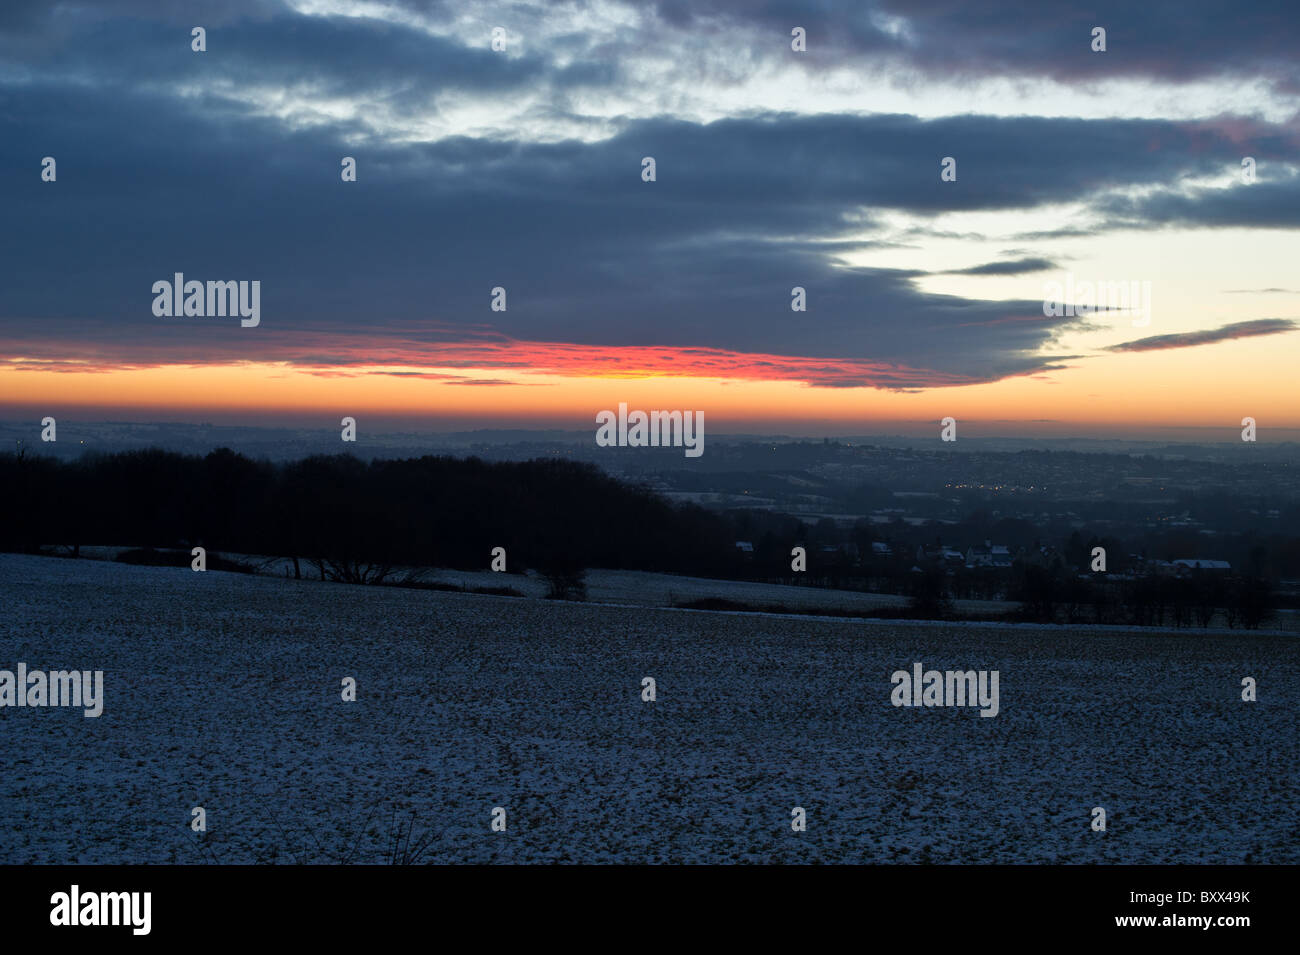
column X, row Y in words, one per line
column 23, row 15
column 1250, row 329
column 162, row 169
column 33, row 27
column 364, row 61
column 1165, row 40
column 1225, row 40
column 1263, row 204
column 706, row 256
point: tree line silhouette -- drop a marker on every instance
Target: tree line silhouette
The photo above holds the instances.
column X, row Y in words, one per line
column 344, row 519
column 351, row 518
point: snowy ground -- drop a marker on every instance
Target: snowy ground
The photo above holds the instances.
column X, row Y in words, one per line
column 638, row 588
column 222, row 691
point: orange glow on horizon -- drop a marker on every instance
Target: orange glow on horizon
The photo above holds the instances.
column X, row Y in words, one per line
column 1195, row 388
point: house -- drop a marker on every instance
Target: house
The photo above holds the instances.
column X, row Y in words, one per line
column 938, row 554
column 1188, row 564
column 988, row 555
column 1153, row 567
column 848, row 549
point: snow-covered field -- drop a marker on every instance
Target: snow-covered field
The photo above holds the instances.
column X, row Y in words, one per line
column 223, row 691
column 648, row 589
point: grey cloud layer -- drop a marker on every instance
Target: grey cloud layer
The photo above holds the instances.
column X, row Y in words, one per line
column 1161, row 39
column 1164, row 40
column 1234, row 330
column 1011, row 267
column 1225, row 41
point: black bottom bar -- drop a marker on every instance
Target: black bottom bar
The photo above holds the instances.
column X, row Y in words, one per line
column 337, row 904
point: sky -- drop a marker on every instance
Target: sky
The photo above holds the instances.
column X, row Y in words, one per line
column 520, row 167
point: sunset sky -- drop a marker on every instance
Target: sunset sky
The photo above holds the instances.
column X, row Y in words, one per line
column 522, row 168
